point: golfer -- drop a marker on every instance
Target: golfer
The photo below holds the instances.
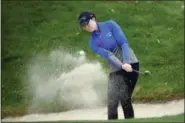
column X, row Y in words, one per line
column 108, row 40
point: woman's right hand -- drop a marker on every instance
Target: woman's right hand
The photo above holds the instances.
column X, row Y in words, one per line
column 127, row 67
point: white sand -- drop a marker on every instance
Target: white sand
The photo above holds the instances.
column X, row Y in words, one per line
column 141, row 111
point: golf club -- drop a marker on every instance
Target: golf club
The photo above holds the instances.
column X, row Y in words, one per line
column 146, row 72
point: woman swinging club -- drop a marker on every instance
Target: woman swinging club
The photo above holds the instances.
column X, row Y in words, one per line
column 109, row 41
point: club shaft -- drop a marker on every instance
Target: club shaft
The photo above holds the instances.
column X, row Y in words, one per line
column 138, row 71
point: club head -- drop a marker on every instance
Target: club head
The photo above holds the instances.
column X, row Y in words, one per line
column 147, row 73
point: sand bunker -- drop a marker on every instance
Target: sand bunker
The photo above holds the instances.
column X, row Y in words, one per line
column 141, row 111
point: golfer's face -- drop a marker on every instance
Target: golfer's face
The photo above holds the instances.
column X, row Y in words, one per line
column 90, row 27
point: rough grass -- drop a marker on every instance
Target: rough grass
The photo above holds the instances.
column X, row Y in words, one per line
column 155, row 31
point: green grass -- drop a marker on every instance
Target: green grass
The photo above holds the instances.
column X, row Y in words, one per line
column 155, row 31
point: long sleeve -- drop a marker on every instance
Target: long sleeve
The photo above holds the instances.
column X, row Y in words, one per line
column 121, row 39
column 109, row 56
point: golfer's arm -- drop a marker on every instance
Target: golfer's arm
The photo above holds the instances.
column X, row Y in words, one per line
column 121, row 39
column 109, row 56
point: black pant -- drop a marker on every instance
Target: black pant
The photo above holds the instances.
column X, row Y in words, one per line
column 120, row 88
